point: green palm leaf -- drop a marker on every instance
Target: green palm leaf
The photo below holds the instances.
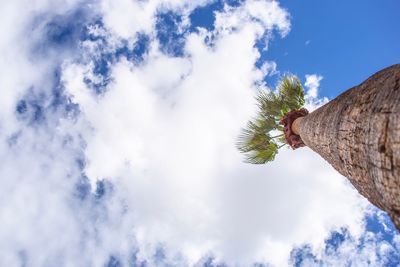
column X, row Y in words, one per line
column 291, row 93
column 256, row 140
column 262, row 156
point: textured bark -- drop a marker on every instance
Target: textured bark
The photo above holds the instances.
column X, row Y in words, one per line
column 296, row 125
column 358, row 133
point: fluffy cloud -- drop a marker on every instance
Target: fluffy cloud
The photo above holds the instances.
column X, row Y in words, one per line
column 118, row 14
column 167, row 130
column 312, row 84
column 343, row 249
column 269, row 68
column 145, row 169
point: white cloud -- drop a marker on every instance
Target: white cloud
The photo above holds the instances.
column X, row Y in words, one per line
column 312, row 84
column 262, row 15
column 167, row 132
column 369, row 251
column 164, row 135
column 126, row 18
column 269, row 68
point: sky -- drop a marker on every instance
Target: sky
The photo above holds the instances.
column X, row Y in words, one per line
column 118, row 123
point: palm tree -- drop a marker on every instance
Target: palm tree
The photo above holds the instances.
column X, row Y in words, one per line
column 358, row 133
column 264, row 134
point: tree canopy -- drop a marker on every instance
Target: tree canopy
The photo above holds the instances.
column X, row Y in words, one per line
column 263, row 135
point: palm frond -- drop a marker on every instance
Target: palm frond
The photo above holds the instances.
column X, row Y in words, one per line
column 256, row 140
column 264, row 155
column 255, row 135
column 291, row 93
column 269, row 104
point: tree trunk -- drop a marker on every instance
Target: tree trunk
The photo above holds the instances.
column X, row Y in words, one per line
column 358, row 133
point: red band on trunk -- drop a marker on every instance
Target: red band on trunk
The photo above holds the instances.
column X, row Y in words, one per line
column 292, row 139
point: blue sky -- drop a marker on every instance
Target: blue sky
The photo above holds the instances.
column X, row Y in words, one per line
column 113, row 143
column 344, row 41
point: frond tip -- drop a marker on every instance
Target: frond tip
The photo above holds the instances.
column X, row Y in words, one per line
column 256, row 141
column 291, row 92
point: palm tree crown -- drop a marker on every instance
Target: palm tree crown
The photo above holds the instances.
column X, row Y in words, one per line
column 264, row 134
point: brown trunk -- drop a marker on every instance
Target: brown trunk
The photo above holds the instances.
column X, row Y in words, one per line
column 296, row 125
column 358, row 133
